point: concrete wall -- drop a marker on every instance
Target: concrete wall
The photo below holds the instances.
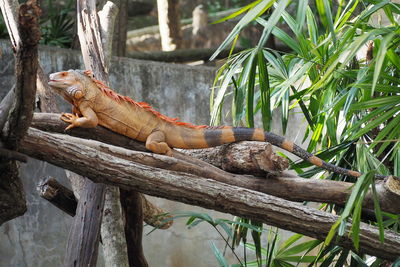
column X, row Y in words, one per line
column 39, row 237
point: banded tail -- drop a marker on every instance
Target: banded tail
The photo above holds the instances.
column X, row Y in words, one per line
column 215, row 136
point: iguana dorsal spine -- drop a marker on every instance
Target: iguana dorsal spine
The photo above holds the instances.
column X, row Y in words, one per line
column 97, row 104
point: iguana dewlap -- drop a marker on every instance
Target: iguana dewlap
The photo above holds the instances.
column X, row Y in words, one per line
column 94, row 103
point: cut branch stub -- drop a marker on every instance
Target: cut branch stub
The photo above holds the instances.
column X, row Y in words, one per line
column 58, row 195
column 256, row 158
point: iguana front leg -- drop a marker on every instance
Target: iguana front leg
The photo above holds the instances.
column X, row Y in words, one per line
column 155, row 142
column 89, row 119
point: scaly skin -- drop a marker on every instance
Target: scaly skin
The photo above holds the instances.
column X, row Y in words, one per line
column 94, row 103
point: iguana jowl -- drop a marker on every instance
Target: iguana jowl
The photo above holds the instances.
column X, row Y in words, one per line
column 94, row 103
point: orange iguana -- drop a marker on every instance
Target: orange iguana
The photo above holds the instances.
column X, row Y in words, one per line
column 94, row 103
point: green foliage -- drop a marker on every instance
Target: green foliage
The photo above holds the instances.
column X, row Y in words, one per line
column 350, row 100
column 57, row 26
column 293, row 251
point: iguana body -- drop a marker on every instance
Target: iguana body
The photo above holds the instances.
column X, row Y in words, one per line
column 94, row 103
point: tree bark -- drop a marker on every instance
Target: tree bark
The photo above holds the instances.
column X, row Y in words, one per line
column 169, row 23
column 90, row 39
column 81, row 249
column 112, row 227
column 191, row 189
column 256, row 158
column 131, row 202
column 281, row 185
column 81, row 246
column 65, row 199
column 112, row 230
column 96, row 54
column 25, row 38
column 58, row 195
column 25, row 71
column 121, row 30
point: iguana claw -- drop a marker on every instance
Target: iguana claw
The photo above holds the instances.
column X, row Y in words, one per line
column 69, row 118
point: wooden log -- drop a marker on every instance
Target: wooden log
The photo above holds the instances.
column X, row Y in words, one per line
column 84, row 236
column 131, row 202
column 25, row 71
column 112, row 227
column 256, row 158
column 191, row 189
column 290, row 188
column 58, row 195
column 90, row 213
column 24, row 33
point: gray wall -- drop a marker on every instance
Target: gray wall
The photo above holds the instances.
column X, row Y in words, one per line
column 39, row 237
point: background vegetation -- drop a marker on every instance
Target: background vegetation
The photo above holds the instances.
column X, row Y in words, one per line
column 343, row 75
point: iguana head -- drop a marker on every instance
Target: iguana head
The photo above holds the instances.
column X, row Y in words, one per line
column 72, row 85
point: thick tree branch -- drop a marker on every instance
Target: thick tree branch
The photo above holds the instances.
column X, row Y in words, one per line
column 290, row 188
column 25, row 72
column 85, row 238
column 188, row 188
column 25, row 38
column 131, row 202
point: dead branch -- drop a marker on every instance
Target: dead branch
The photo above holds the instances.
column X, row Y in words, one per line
column 25, row 71
column 6, row 154
column 64, row 199
column 58, row 195
column 24, row 34
column 290, row 188
column 154, row 216
column 101, row 167
column 90, row 39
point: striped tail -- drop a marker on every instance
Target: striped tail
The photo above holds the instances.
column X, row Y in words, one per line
column 215, row 136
